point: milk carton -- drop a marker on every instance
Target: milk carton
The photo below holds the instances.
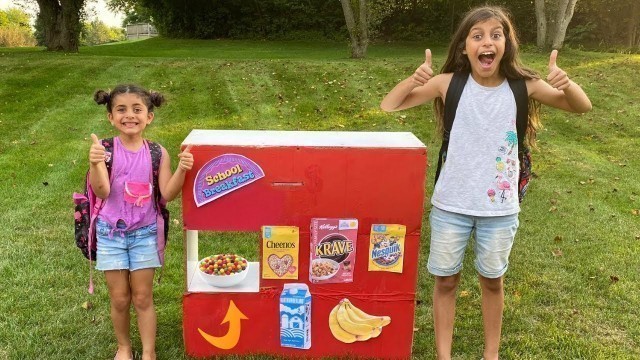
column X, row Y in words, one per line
column 295, row 316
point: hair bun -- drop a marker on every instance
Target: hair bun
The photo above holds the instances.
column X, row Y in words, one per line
column 156, row 98
column 101, row 97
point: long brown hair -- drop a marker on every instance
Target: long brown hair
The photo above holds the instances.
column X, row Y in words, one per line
column 510, row 66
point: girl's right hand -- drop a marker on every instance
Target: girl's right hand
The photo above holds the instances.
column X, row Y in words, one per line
column 423, row 73
column 97, row 153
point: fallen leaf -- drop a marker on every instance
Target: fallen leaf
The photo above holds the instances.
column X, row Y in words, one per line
column 582, row 182
column 176, row 221
column 464, row 293
column 553, row 209
column 557, row 252
column 87, row 305
column 635, row 212
column 553, row 201
column 416, row 329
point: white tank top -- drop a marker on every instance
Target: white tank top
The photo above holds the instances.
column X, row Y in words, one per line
column 480, row 174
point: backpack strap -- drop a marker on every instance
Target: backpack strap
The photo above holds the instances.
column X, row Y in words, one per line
column 456, row 86
column 519, row 89
column 95, row 204
column 162, row 220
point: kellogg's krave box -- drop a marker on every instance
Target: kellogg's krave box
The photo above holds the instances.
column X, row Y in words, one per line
column 333, row 250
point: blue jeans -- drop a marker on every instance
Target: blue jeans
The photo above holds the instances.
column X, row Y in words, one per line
column 450, row 233
column 126, row 250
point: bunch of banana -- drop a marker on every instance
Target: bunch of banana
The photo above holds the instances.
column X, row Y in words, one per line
column 350, row 324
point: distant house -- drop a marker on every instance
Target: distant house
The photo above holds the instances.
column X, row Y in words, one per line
column 141, row 31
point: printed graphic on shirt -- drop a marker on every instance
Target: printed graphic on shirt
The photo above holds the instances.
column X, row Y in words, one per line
column 504, row 185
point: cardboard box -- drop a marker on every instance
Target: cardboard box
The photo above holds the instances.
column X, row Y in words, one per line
column 332, row 250
column 280, row 252
column 295, row 316
column 386, row 247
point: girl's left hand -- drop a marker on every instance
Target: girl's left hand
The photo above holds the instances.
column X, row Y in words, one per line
column 557, row 77
column 186, row 159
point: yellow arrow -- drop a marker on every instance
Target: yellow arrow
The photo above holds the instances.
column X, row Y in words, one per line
column 233, row 317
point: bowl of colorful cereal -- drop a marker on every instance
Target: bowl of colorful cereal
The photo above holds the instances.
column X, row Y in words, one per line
column 223, row 270
column 323, row 268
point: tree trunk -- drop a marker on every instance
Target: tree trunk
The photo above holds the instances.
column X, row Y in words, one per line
column 61, row 24
column 541, row 21
column 632, row 29
column 358, row 30
column 564, row 15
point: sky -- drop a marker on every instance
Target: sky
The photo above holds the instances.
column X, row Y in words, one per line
column 99, row 10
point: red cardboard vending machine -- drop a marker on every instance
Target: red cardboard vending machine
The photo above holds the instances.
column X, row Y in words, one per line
column 244, row 180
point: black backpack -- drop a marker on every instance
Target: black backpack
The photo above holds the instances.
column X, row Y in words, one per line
column 88, row 206
column 519, row 89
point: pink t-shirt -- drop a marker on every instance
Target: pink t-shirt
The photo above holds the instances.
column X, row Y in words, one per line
column 131, row 197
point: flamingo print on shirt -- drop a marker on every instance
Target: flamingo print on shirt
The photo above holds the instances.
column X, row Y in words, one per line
column 506, row 169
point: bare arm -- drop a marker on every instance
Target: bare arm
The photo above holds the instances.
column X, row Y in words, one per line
column 170, row 185
column 417, row 89
column 560, row 92
column 98, row 174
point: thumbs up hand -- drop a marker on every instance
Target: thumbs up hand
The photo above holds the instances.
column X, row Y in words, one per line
column 557, row 77
column 423, row 73
column 186, row 159
column 97, row 153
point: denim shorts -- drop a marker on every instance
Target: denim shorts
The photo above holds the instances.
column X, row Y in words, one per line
column 126, row 250
column 450, row 233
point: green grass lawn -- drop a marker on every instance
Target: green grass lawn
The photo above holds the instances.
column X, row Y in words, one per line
column 572, row 288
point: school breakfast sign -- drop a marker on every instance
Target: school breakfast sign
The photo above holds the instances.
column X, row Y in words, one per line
column 222, row 175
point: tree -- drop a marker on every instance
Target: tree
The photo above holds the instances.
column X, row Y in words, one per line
column 134, row 11
column 357, row 25
column 61, row 23
column 96, row 32
column 15, row 28
column 541, row 20
column 552, row 30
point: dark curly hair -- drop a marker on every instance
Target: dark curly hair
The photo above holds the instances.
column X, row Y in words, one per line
column 151, row 99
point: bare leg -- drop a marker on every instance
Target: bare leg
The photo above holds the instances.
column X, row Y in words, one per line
column 142, row 289
column 444, row 310
column 492, row 307
column 120, row 295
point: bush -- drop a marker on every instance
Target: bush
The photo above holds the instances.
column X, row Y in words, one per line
column 96, row 32
column 16, row 36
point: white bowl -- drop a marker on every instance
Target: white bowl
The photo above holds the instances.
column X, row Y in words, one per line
column 223, row 280
column 333, row 264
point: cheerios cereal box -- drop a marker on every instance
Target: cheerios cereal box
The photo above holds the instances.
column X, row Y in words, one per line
column 386, row 247
column 280, row 252
column 333, row 250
